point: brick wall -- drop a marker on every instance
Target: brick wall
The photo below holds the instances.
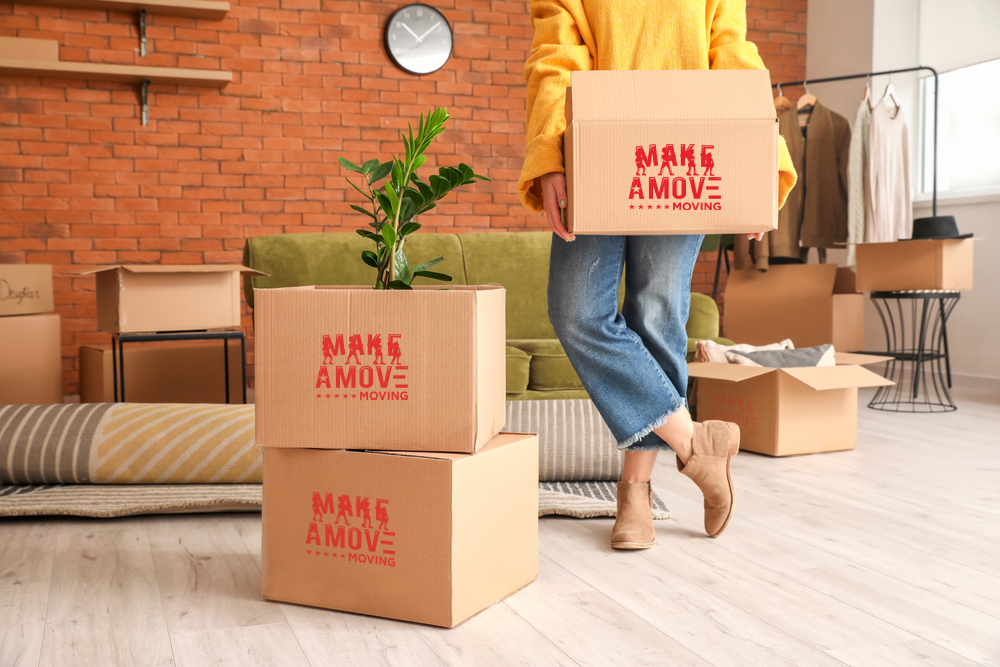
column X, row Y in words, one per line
column 83, row 182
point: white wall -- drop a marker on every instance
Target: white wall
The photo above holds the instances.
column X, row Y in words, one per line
column 958, row 33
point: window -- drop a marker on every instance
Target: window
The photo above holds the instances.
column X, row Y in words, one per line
column 968, row 130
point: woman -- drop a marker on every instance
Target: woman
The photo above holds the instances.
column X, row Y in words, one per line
column 632, row 363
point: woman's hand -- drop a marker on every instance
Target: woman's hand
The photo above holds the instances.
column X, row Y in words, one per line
column 759, row 236
column 554, row 200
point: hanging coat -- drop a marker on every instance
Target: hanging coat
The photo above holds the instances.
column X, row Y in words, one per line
column 815, row 212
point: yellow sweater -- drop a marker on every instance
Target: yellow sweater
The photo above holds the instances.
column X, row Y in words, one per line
column 574, row 35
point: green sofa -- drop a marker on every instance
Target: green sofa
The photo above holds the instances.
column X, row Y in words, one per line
column 537, row 367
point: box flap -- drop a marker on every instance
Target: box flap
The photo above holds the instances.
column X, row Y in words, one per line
column 858, row 359
column 167, row 268
column 731, row 372
column 846, row 282
column 822, row 378
column 697, row 95
column 782, row 282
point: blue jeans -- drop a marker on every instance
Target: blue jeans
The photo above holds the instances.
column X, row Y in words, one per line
column 632, row 363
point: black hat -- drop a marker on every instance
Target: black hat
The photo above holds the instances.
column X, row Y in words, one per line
column 937, row 227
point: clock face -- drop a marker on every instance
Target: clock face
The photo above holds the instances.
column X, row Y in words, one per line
column 418, row 39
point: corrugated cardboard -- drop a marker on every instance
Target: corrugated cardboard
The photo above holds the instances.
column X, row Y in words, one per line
column 25, row 289
column 140, row 298
column 356, row 368
column 812, row 304
column 671, row 152
column 787, row 411
column 428, row 537
column 30, row 359
column 927, row 264
column 168, row 372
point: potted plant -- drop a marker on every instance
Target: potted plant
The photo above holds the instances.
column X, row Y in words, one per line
column 394, row 205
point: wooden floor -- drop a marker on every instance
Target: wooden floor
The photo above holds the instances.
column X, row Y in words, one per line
column 885, row 556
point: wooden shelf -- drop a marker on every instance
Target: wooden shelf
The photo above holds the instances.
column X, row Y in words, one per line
column 128, row 73
column 200, row 9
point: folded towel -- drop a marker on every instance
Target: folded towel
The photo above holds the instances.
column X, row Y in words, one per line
column 802, row 357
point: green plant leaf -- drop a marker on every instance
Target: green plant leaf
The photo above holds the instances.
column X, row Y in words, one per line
column 426, row 265
column 389, row 234
column 380, row 172
column 363, row 193
column 397, row 172
column 432, row 275
column 393, row 198
column 409, row 228
column 419, row 162
column 399, row 284
column 367, row 167
column 365, row 211
column 403, row 271
column 369, row 258
column 406, row 209
column 350, row 166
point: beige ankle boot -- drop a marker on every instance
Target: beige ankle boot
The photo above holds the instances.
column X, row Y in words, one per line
column 713, row 447
column 634, row 523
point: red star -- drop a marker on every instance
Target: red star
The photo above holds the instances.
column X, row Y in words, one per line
column 308, row 551
column 319, row 395
column 326, row 554
column 317, row 553
column 657, row 206
column 640, row 207
column 650, row 207
column 354, row 395
column 632, row 206
column 341, row 555
column 336, row 395
column 328, row 395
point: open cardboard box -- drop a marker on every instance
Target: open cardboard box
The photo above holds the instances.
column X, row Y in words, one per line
column 812, row 304
column 925, row 264
column 786, row 411
column 164, row 372
column 31, row 359
column 671, row 152
column 141, row 298
column 26, row 289
column 428, row 537
column 358, row 368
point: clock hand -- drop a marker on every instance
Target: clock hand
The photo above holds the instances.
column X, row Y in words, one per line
column 432, row 29
column 419, row 39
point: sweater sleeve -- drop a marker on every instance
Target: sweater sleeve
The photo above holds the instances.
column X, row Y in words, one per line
column 729, row 49
column 557, row 49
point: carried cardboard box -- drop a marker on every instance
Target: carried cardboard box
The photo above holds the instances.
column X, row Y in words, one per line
column 671, row 152
column 167, row 372
column 31, row 359
column 25, row 289
column 140, row 298
column 812, row 304
column 925, row 264
column 428, row 537
column 356, row 368
column 785, row 411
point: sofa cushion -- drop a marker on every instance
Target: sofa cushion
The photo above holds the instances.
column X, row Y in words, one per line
column 703, row 320
column 551, row 369
column 293, row 260
column 518, row 369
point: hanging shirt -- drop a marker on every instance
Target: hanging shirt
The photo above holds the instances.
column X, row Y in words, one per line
column 890, row 212
column 857, row 181
column 574, row 35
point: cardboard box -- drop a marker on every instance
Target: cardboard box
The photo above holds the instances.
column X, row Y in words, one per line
column 788, row 411
column 671, row 152
column 813, row 304
column 31, row 359
column 930, row 264
column 428, row 537
column 140, row 298
column 356, row 368
column 25, row 289
column 168, row 372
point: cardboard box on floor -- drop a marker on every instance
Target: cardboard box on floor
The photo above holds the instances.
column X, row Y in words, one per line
column 25, row 289
column 356, row 368
column 428, row 537
column 812, row 304
column 141, row 298
column 926, row 264
column 31, row 359
column 788, row 411
column 168, row 372
column 671, row 152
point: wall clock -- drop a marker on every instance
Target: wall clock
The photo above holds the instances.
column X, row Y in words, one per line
column 418, row 39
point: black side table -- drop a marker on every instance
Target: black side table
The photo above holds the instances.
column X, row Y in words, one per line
column 916, row 334
column 118, row 353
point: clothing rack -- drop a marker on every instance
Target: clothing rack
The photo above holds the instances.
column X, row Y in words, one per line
column 868, row 75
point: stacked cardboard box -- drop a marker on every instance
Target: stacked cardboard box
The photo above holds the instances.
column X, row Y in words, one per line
column 388, row 489
column 30, row 336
